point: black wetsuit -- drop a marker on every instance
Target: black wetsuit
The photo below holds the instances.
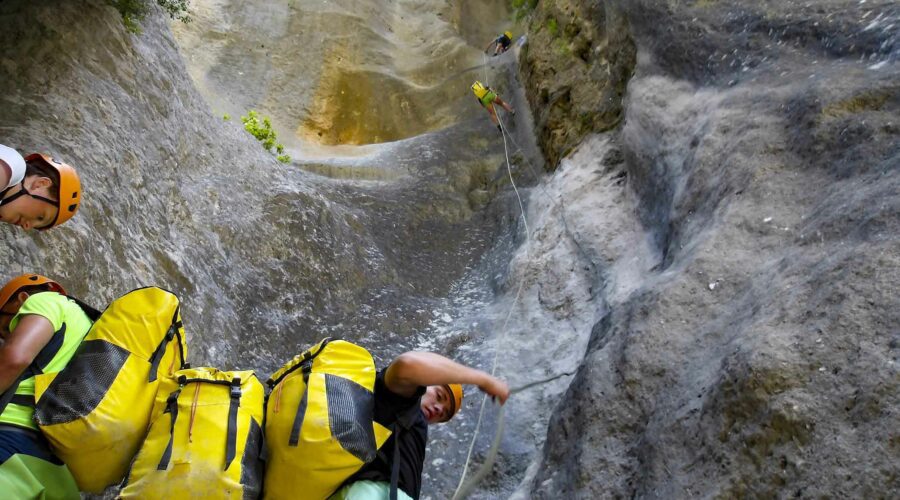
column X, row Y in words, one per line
column 503, row 41
column 391, row 409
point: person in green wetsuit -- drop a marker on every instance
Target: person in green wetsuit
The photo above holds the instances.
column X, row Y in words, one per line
column 41, row 329
column 487, row 97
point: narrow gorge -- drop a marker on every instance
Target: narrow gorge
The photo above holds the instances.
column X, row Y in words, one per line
column 682, row 253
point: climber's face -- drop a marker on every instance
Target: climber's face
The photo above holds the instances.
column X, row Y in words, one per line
column 26, row 211
column 437, row 404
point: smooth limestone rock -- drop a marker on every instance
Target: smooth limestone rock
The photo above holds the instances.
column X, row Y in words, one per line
column 345, row 72
column 756, row 356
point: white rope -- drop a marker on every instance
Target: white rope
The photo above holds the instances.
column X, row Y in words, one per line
column 511, row 181
column 462, row 491
column 464, row 488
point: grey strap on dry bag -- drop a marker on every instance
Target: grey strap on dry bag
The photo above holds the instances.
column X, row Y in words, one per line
column 231, row 433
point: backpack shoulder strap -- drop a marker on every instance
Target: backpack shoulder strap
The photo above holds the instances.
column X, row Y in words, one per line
column 403, row 423
column 92, row 313
column 40, row 361
column 395, row 464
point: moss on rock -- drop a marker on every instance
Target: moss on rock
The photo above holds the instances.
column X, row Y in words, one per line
column 575, row 67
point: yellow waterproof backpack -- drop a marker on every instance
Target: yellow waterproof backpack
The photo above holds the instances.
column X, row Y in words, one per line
column 205, row 439
column 480, row 89
column 320, row 426
column 96, row 411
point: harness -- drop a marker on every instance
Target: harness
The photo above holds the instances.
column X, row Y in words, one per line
column 403, row 424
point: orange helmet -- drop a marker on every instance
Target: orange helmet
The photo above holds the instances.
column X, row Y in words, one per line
column 19, row 282
column 69, row 188
column 456, row 391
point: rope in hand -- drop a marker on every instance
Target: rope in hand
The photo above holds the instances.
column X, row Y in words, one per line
column 463, row 489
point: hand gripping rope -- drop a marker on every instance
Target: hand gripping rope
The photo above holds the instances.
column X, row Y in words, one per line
column 463, row 489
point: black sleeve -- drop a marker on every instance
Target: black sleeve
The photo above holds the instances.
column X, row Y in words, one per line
column 390, row 406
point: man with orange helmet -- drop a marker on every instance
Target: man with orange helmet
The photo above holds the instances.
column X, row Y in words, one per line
column 415, row 390
column 41, row 328
column 40, row 192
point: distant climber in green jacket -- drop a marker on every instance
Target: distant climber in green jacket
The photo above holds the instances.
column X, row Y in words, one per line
column 487, row 97
column 41, row 329
column 36, row 192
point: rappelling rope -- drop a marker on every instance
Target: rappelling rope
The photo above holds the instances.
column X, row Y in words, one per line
column 463, row 489
column 511, row 180
column 466, row 489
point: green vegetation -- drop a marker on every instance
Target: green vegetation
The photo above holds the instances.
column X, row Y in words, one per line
column 134, row 11
column 264, row 134
column 226, row 117
column 552, row 26
column 561, row 47
column 522, row 8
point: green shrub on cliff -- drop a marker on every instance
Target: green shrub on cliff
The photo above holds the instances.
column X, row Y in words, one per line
column 552, row 26
column 134, row 11
column 265, row 134
column 522, row 8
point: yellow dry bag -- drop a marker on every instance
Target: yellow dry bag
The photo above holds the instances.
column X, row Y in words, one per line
column 320, row 426
column 479, row 89
column 204, row 441
column 95, row 412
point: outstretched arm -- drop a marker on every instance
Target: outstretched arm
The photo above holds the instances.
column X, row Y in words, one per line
column 415, row 368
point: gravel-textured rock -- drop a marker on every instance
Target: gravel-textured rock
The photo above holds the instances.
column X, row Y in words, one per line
column 757, row 357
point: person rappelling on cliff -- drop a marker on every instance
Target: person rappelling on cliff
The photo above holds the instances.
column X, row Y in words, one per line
column 415, row 390
column 500, row 44
column 487, row 97
column 41, row 329
column 38, row 192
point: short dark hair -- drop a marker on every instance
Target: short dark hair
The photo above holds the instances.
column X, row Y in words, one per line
column 30, row 290
column 40, row 169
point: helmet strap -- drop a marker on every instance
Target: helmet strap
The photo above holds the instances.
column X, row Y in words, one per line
column 14, row 196
column 22, row 192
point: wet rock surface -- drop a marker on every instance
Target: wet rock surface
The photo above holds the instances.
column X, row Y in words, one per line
column 753, row 357
column 344, row 72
